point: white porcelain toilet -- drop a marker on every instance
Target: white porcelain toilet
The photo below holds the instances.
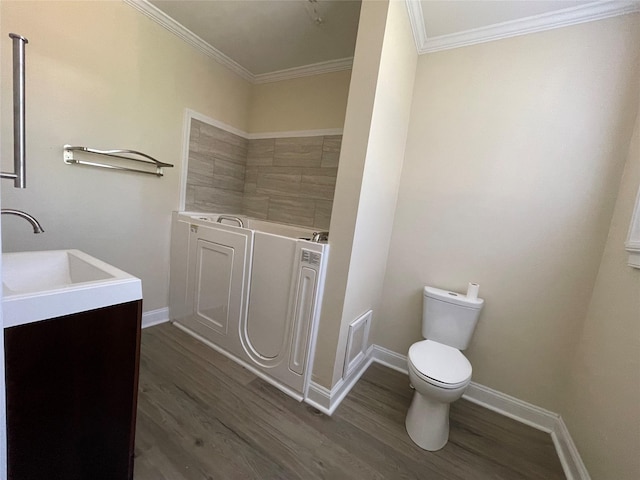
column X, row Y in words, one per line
column 438, row 370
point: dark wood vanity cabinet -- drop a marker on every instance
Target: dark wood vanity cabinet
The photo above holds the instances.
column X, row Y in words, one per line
column 72, row 386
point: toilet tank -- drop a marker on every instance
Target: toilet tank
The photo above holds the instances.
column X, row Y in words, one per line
column 449, row 317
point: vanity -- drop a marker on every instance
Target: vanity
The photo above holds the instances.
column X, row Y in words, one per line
column 72, row 345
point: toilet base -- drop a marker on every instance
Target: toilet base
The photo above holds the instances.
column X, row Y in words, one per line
column 427, row 422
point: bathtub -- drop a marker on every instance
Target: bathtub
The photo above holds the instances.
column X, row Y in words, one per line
column 251, row 292
column 280, row 229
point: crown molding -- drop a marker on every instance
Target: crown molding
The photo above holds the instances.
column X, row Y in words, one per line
column 416, row 19
column 164, row 20
column 536, row 23
column 305, row 71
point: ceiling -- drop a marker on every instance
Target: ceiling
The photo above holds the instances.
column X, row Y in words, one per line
column 271, row 35
column 269, row 40
column 451, row 17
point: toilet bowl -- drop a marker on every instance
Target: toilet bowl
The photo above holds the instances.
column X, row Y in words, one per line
column 438, row 370
column 440, row 374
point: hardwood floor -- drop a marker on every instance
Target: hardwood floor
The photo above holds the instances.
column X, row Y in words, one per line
column 201, row 416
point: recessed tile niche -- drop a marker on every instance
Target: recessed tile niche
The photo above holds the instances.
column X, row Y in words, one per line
column 286, row 180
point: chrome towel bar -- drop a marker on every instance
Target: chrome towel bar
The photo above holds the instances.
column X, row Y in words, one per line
column 69, row 159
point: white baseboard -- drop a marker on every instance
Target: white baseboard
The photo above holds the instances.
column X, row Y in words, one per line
column 319, row 397
column 388, row 358
column 327, row 400
column 574, row 467
column 511, row 407
column 494, row 400
column 155, row 317
column 535, row 417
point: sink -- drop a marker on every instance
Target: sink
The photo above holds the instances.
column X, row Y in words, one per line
column 29, row 272
column 42, row 285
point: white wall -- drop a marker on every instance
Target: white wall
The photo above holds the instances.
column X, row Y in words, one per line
column 514, row 155
column 350, row 169
column 3, row 399
column 100, row 74
column 307, row 103
column 368, row 177
column 513, row 158
column 602, row 405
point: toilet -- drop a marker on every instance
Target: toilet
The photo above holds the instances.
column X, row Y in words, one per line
column 438, row 370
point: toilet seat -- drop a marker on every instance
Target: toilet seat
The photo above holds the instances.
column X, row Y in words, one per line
column 438, row 364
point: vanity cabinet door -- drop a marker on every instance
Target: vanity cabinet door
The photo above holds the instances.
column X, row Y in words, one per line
column 72, row 385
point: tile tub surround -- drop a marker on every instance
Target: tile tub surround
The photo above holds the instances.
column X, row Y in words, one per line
column 287, row 180
column 216, row 171
column 292, row 180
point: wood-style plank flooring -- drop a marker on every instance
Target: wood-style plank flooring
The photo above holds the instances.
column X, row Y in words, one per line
column 201, row 416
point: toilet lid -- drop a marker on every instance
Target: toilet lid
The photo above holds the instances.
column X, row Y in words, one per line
column 440, row 362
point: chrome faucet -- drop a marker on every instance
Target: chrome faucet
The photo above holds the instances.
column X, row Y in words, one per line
column 37, row 228
column 320, row 237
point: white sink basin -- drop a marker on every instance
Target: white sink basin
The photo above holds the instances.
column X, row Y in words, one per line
column 41, row 285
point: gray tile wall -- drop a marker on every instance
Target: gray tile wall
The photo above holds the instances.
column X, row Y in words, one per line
column 215, row 176
column 285, row 180
column 292, row 180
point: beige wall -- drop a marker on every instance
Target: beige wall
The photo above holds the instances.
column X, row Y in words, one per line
column 115, row 79
column 514, row 155
column 602, row 409
column 513, row 158
column 3, row 404
column 368, row 177
column 102, row 75
column 307, row 103
column 352, row 157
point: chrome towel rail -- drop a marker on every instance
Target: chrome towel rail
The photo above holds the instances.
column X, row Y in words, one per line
column 19, row 175
column 69, row 159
